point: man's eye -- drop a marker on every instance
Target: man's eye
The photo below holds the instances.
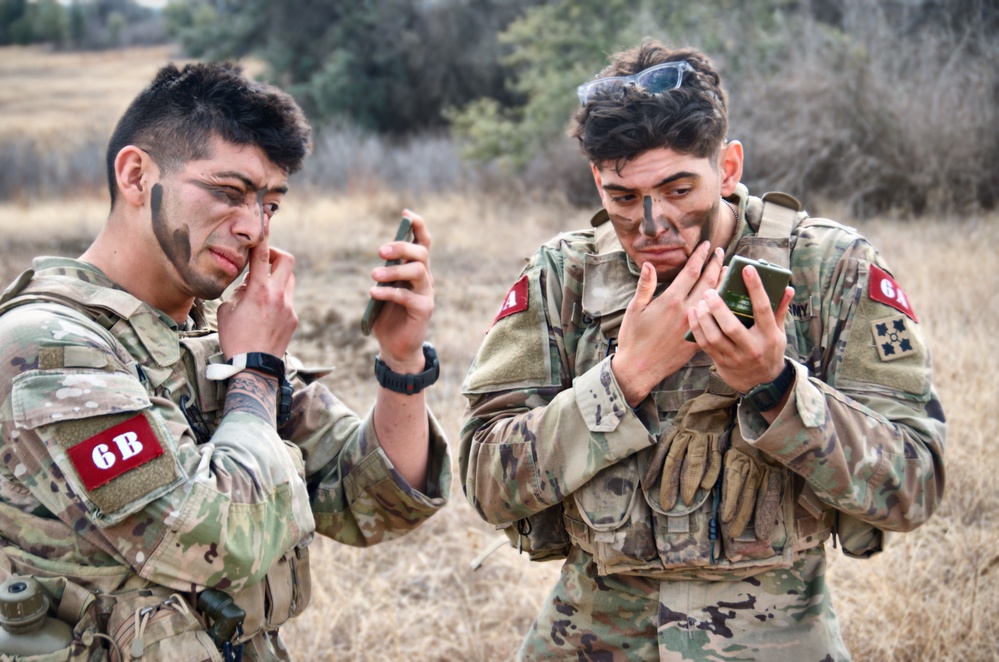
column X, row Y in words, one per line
column 271, row 208
column 230, row 194
column 622, row 199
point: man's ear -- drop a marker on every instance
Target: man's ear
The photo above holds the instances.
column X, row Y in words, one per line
column 730, row 166
column 135, row 171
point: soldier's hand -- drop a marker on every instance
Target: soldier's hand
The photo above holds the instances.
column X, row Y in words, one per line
column 260, row 316
column 402, row 325
column 651, row 344
column 744, row 357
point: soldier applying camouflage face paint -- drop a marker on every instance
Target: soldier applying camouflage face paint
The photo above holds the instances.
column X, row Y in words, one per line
column 691, row 486
column 165, row 464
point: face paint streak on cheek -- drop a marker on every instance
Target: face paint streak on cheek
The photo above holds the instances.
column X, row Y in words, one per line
column 160, row 225
column 708, row 223
column 181, row 245
column 156, row 202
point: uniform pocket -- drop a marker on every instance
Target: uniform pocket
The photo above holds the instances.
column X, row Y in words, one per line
column 620, row 522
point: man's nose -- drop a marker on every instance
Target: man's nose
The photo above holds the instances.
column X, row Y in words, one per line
column 250, row 223
column 649, row 226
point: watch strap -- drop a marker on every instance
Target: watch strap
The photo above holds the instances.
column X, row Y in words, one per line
column 266, row 363
column 409, row 384
column 764, row 397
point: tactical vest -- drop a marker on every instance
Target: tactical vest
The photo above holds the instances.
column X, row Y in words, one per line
column 626, row 529
column 175, row 372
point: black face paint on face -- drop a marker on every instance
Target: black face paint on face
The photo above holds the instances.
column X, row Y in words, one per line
column 709, row 221
column 704, row 219
column 156, row 201
column 260, row 200
column 648, row 224
column 176, row 245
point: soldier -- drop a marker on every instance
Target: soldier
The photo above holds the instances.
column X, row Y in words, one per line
column 165, row 465
column 691, row 485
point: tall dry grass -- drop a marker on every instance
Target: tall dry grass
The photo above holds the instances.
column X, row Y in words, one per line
column 930, row 596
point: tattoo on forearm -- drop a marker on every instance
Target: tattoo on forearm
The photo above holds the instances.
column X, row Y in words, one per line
column 254, row 394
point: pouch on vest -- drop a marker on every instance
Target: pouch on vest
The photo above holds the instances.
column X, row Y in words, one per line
column 542, row 535
column 157, row 624
column 284, row 593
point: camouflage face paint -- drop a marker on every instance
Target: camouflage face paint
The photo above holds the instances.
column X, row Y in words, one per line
column 176, row 246
column 648, row 224
column 260, row 200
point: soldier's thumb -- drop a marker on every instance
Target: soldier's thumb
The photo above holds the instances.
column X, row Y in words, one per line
column 646, row 286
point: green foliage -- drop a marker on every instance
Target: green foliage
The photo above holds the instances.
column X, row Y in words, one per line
column 557, row 46
column 78, row 24
column 24, row 22
column 387, row 65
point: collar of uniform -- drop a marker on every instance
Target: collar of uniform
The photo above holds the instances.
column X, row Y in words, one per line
column 97, row 290
column 609, row 274
column 741, row 199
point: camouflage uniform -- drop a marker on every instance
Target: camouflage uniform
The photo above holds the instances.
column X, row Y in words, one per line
column 224, row 502
column 550, row 448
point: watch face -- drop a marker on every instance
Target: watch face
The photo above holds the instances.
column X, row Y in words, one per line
column 767, row 396
column 265, row 362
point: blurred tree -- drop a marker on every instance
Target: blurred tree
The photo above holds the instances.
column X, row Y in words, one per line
column 11, row 20
column 79, row 23
column 388, row 65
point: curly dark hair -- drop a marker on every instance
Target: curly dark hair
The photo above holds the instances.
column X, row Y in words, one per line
column 181, row 111
column 692, row 119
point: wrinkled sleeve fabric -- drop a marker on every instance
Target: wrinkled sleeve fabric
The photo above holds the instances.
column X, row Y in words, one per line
column 533, row 431
column 863, row 425
column 357, row 497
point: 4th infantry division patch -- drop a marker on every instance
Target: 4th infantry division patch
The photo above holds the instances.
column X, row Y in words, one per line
column 892, row 338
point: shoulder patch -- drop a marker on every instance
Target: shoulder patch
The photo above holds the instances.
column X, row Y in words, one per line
column 115, row 451
column 892, row 338
column 883, row 289
column 516, row 300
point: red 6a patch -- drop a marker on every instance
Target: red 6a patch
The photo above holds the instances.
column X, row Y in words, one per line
column 119, row 449
column 884, row 289
column 515, row 301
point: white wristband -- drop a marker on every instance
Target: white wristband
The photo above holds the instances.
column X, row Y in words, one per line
column 221, row 371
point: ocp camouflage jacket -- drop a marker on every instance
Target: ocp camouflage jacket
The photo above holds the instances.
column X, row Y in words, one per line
column 550, row 446
column 197, row 499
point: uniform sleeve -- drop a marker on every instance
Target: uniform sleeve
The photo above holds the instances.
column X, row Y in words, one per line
column 533, row 432
column 122, row 468
column 357, row 496
column 864, row 427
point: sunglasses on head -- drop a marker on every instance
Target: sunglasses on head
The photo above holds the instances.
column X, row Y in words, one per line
column 659, row 78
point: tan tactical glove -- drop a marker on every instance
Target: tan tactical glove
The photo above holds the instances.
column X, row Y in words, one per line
column 693, row 448
column 749, row 486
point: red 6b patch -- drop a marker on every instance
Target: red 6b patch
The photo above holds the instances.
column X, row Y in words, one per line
column 884, row 289
column 119, row 449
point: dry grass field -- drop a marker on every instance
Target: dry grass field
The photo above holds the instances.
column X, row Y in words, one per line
column 932, row 595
